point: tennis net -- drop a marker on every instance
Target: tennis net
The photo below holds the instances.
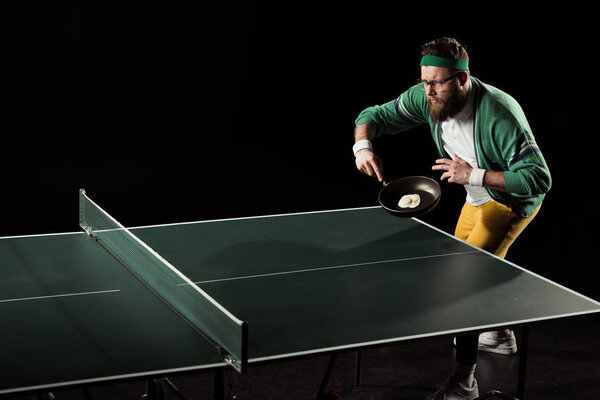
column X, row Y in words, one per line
column 222, row 329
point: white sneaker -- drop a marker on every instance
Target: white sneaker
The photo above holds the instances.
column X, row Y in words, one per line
column 500, row 342
column 453, row 390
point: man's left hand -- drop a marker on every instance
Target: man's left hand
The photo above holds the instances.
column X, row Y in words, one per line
column 457, row 171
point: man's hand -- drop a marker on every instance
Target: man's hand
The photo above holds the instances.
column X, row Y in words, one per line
column 457, row 171
column 368, row 163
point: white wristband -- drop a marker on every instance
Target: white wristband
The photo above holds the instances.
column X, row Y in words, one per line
column 361, row 145
column 476, row 178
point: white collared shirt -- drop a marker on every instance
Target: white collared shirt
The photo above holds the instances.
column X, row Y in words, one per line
column 457, row 138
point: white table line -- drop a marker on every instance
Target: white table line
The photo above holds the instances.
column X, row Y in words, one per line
column 59, row 295
column 328, row 268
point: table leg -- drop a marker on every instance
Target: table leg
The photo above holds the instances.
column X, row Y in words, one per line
column 357, row 366
column 325, row 380
column 523, row 353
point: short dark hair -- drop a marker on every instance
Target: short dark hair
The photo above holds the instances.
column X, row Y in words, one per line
column 445, row 47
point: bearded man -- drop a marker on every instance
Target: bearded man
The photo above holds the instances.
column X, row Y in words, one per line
column 485, row 144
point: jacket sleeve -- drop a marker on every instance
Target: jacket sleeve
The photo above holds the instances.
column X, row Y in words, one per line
column 528, row 173
column 405, row 112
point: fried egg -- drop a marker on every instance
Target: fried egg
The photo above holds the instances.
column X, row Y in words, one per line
column 409, row 201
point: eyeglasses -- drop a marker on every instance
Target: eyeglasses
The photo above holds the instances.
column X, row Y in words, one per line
column 436, row 85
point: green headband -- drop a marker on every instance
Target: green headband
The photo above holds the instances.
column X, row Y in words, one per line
column 444, row 62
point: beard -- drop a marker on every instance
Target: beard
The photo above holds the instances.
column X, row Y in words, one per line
column 445, row 108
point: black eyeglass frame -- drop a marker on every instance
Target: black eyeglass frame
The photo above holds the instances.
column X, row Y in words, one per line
column 441, row 82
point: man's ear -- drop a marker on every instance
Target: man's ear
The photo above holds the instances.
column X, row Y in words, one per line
column 463, row 77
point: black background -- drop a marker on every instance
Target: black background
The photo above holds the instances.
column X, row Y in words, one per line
column 168, row 111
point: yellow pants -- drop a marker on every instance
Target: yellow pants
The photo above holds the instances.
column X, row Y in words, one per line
column 491, row 226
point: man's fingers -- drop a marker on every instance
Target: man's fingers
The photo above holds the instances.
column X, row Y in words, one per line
column 378, row 169
column 455, row 171
column 373, row 168
column 368, row 163
column 442, row 166
column 367, row 169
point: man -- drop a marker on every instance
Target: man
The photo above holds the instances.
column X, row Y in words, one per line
column 486, row 145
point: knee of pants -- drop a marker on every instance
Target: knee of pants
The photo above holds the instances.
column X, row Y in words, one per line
column 466, row 222
column 492, row 230
column 489, row 238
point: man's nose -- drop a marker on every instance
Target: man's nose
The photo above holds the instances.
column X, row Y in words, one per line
column 429, row 90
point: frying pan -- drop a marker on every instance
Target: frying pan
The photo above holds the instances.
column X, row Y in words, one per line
column 428, row 189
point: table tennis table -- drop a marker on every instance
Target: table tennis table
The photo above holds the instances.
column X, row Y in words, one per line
column 303, row 284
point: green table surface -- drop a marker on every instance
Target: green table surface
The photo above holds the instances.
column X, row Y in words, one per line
column 306, row 283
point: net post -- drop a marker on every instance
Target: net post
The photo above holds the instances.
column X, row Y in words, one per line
column 244, row 360
column 82, row 223
column 241, row 364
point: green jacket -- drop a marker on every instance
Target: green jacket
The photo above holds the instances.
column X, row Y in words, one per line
column 502, row 136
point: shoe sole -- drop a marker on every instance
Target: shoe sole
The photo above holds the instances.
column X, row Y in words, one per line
column 504, row 351
column 507, row 351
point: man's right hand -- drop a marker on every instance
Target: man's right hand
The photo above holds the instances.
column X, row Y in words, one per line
column 368, row 163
